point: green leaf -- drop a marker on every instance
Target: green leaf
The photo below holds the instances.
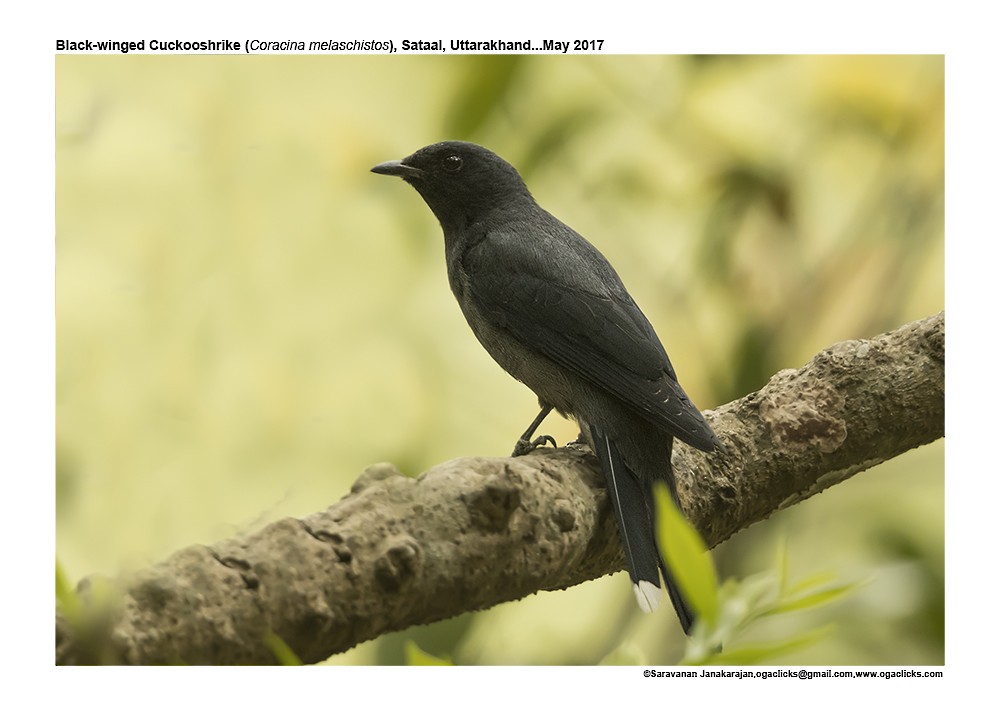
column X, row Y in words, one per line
column 752, row 654
column 279, row 648
column 687, row 557
column 808, row 583
column 416, row 656
column 820, row 597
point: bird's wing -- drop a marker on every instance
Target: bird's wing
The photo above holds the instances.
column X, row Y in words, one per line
column 604, row 339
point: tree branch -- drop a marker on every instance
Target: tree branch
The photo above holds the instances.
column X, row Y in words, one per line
column 475, row 532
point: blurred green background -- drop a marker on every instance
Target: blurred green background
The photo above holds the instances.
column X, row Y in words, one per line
column 246, row 317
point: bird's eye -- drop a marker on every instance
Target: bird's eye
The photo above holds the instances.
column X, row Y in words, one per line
column 452, row 163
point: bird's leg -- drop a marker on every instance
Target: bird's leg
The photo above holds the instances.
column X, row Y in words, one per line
column 525, row 444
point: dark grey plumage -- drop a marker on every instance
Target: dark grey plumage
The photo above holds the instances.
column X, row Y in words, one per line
column 553, row 313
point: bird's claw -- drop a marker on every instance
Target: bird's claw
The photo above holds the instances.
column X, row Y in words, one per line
column 525, row 446
column 580, row 440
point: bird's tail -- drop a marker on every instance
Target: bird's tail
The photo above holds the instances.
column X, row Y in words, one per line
column 633, row 503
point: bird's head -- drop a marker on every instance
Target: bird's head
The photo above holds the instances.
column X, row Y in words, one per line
column 459, row 181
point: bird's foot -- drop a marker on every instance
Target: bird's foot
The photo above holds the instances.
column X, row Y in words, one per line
column 580, row 440
column 525, row 446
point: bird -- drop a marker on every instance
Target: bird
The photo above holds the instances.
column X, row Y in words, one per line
column 552, row 311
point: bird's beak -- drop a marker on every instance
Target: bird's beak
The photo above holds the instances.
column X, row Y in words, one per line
column 397, row 168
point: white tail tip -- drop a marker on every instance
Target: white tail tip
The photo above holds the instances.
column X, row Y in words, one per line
column 647, row 594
